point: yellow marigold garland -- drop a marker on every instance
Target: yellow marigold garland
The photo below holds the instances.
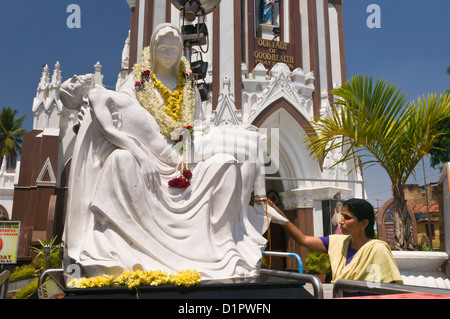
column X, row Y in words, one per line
column 186, row 278
column 138, row 278
column 94, row 282
column 173, row 100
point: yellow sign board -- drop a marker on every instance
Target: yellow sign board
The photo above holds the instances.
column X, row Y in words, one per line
column 9, row 241
column 50, row 290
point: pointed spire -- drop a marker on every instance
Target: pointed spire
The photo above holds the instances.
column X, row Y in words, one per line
column 98, row 74
column 47, row 105
column 126, row 53
column 56, row 78
column 45, row 78
column 42, row 89
column 53, row 94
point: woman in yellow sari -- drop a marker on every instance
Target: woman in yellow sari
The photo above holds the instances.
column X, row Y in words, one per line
column 355, row 254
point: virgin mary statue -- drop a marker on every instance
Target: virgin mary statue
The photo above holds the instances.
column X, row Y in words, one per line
column 150, row 187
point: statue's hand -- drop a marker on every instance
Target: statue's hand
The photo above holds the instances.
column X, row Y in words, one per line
column 150, row 174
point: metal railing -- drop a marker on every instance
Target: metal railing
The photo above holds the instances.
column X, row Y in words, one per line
column 285, row 254
column 381, row 288
column 47, row 273
column 313, row 280
column 319, row 180
column 4, row 281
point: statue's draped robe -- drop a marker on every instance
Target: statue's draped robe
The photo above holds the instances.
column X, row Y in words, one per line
column 115, row 222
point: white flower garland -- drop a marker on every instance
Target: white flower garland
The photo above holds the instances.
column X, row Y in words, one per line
column 146, row 93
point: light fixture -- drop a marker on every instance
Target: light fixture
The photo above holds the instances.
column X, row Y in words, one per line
column 204, row 89
column 276, row 31
column 199, row 68
column 196, row 35
column 192, row 9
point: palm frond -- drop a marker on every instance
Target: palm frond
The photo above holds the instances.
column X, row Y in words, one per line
column 374, row 122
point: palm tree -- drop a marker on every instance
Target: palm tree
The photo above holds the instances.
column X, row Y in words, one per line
column 374, row 121
column 441, row 154
column 448, row 73
column 11, row 134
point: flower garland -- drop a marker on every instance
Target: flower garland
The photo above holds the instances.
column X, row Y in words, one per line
column 175, row 117
column 183, row 174
column 95, row 282
column 138, row 278
column 174, row 100
column 179, row 111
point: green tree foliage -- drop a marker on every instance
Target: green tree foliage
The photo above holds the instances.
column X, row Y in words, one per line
column 11, row 135
column 374, row 123
column 441, row 154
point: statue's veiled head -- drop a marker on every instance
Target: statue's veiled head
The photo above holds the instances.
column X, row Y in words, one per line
column 166, row 47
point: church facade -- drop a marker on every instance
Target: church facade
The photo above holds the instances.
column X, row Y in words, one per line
column 274, row 73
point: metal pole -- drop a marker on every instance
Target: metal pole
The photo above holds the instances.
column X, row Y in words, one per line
column 313, row 280
column 188, row 50
column 4, row 281
column 285, row 254
column 428, row 211
column 319, row 180
column 47, row 256
column 382, row 288
column 312, row 180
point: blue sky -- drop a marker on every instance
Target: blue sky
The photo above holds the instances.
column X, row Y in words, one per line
column 411, row 49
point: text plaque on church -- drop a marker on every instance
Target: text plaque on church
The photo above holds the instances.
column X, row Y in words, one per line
column 269, row 53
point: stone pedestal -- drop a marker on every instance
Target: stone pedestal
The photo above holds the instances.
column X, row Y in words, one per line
column 422, row 268
column 265, row 31
column 261, row 287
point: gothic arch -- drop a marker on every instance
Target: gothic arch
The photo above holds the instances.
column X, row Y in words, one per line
column 4, row 212
column 293, row 159
column 275, row 106
column 282, row 103
column 385, row 224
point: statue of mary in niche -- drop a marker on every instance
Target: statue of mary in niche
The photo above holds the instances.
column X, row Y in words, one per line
column 266, row 11
column 126, row 210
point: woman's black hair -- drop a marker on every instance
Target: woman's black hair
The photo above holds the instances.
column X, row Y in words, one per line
column 362, row 209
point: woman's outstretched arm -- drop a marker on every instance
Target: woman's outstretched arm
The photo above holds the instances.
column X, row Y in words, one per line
column 310, row 242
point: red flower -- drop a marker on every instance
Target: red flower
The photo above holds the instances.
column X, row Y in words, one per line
column 187, row 174
column 180, row 138
column 145, row 75
column 184, row 183
column 175, row 182
column 139, row 86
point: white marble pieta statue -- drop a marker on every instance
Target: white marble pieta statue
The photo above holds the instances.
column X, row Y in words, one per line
column 151, row 187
